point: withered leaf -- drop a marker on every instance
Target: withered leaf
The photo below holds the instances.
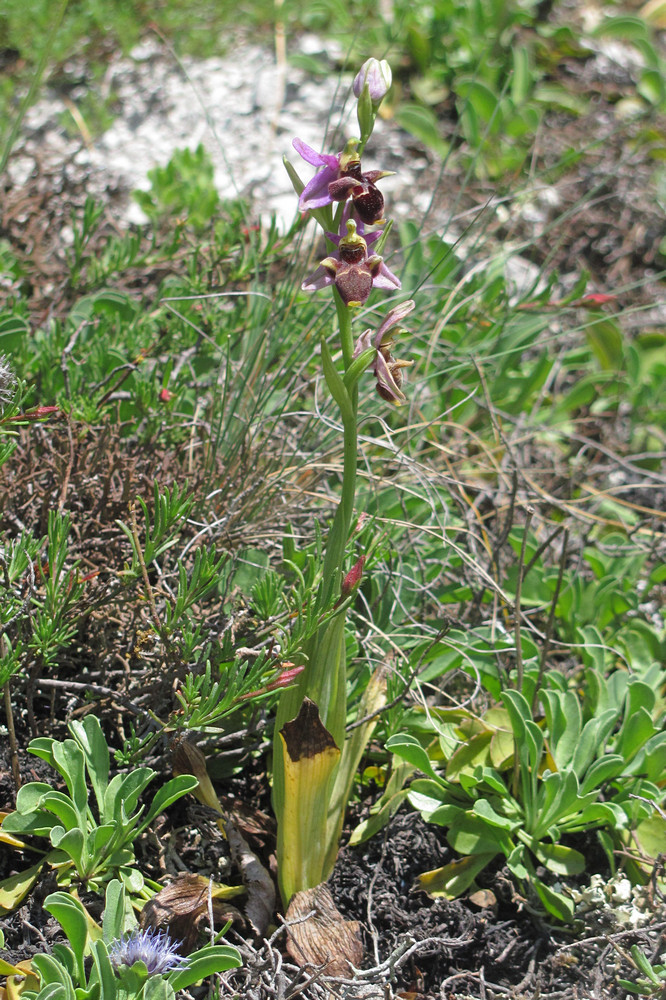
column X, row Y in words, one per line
column 306, row 735
column 324, row 938
column 181, row 909
column 257, row 880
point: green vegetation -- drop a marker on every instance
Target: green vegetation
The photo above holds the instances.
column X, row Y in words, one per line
column 211, row 523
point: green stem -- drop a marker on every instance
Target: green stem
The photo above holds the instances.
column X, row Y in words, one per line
column 339, row 534
column 34, row 84
column 345, row 325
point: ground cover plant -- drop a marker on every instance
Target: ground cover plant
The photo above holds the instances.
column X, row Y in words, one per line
column 263, row 548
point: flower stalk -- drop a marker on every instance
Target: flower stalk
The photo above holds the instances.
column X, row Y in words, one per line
column 314, row 763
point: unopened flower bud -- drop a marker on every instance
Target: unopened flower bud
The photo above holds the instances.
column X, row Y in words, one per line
column 353, row 578
column 377, row 74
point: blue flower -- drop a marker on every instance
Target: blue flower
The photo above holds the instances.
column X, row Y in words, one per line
column 152, row 947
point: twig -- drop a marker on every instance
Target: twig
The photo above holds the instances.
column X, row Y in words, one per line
column 76, row 687
column 144, row 571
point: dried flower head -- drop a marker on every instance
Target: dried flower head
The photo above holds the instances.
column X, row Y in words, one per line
column 154, row 948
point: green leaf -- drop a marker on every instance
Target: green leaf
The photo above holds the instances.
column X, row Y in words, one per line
column 120, row 801
column 52, row 973
column 470, row 834
column 408, row 748
column 483, row 809
column 202, row 963
column 73, row 843
column 367, row 828
column 61, row 806
column 422, row 123
column 555, row 903
column 14, row 889
column 605, row 339
column 564, row 719
column 14, row 330
column 157, row 988
column 107, row 979
column 90, row 738
column 168, row 793
column 522, row 79
column 69, row 760
column 336, row 386
column 473, row 753
column 479, row 96
column 625, row 27
column 118, row 914
column 600, row 771
column 358, row 366
column 71, row 916
column 558, row 858
column 636, row 730
column 651, row 835
column 296, row 181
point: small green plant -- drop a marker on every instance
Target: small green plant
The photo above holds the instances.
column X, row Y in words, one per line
column 505, row 783
column 184, row 187
column 124, row 963
column 653, row 981
column 90, row 844
column 42, row 623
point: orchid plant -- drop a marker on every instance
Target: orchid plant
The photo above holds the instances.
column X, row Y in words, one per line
column 314, row 764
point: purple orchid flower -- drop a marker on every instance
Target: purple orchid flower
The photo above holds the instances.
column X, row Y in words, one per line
column 386, row 369
column 350, row 269
column 315, row 193
column 342, row 178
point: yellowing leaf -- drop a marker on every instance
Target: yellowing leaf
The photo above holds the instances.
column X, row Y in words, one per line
column 476, row 751
column 310, row 759
column 451, row 880
column 14, row 889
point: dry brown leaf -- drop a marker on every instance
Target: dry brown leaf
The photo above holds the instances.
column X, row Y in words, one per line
column 324, row 938
column 260, row 887
column 181, row 909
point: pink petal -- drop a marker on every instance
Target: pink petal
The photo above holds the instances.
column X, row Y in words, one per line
column 396, row 314
column 385, row 279
column 320, row 278
column 311, row 155
column 363, row 343
column 315, row 193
